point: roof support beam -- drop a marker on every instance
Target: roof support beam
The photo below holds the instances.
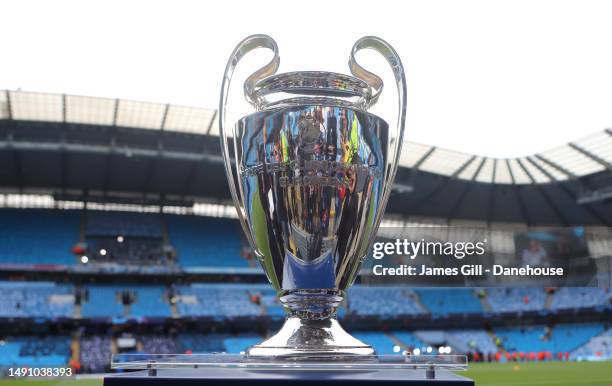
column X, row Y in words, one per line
column 162, row 126
column 9, row 105
column 465, row 191
column 212, row 120
column 415, row 168
column 113, row 144
column 492, row 194
column 519, row 198
column 556, row 166
column 463, row 167
column 547, row 198
column 569, row 193
column 590, row 155
column 439, row 188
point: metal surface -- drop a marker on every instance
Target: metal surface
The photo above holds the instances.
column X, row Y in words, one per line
column 314, row 171
column 228, row 361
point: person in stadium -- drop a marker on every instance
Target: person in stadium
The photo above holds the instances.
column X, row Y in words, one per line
column 534, row 255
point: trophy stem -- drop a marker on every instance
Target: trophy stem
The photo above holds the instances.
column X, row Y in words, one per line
column 311, row 330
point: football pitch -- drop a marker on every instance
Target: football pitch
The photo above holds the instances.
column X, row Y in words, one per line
column 485, row 374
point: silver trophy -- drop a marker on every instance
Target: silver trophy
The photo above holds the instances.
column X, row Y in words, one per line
column 310, row 175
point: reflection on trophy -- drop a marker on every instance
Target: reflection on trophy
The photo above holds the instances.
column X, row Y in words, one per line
column 310, row 176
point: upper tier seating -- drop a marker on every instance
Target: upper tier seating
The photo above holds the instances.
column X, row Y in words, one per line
column 218, row 300
column 150, row 301
column 516, row 299
column 127, row 224
column 36, row 299
column 364, row 300
column 103, row 301
column 206, row 241
column 449, row 301
column 38, row 236
column 578, row 297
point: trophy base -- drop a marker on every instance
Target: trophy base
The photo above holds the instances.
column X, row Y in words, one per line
column 310, row 339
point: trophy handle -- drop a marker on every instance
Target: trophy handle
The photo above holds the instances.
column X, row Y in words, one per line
column 395, row 136
column 245, row 46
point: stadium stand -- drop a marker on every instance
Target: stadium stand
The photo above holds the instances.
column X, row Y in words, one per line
column 36, row 351
column 471, row 340
column 127, row 224
column 408, row 339
column 95, row 353
column 149, row 168
column 198, row 343
column 516, row 299
column 561, row 338
column 218, row 300
column 598, row 347
column 150, row 301
column 238, row 344
column 36, row 299
column 449, row 301
column 156, row 344
column 271, row 303
column 38, row 236
column 197, row 241
column 125, row 238
column 103, row 301
column 398, row 301
column 577, row 297
column 380, row 341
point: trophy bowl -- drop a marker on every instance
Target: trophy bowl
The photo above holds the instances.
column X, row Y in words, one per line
column 310, row 176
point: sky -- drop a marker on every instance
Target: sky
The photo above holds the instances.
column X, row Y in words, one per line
column 494, row 78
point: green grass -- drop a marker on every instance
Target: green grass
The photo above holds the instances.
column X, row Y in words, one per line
column 485, row 374
column 541, row 374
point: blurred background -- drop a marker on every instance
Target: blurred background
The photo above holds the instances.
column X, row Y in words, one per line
column 118, row 236
column 117, row 233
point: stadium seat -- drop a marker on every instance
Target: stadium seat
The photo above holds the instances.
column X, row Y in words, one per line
column 37, row 236
column 197, row 241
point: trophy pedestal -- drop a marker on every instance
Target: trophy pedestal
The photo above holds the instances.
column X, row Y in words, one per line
column 240, row 370
column 310, row 339
column 248, row 377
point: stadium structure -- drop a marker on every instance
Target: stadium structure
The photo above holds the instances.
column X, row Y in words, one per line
column 118, row 236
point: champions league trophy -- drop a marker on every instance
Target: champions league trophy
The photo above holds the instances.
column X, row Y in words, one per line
column 310, row 175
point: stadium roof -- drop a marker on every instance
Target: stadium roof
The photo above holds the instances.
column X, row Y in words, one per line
column 583, row 157
column 568, row 164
